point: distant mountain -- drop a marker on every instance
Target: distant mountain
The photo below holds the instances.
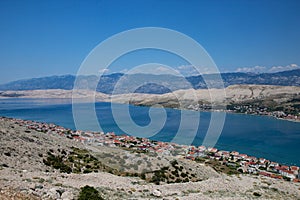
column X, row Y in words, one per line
column 153, row 84
column 285, row 78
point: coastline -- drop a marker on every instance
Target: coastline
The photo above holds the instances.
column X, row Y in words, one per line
column 262, row 115
column 27, row 145
column 192, row 152
column 263, row 153
column 66, row 100
column 280, row 102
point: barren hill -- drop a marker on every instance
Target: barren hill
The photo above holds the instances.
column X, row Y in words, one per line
column 269, row 97
column 25, row 172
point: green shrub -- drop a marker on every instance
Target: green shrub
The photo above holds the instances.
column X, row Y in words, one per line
column 57, row 163
column 86, row 171
column 174, row 163
column 89, row 193
column 183, row 175
column 256, row 194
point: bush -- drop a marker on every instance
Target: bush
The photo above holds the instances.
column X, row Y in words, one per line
column 86, row 171
column 89, row 193
column 256, row 194
column 7, row 154
column 183, row 175
column 287, row 178
column 57, row 163
column 174, row 163
column 143, row 176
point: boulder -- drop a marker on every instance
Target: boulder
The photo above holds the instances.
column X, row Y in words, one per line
column 53, row 194
column 156, row 193
column 67, row 195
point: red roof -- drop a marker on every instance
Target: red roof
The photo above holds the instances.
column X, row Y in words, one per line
column 264, row 173
column 282, row 168
column 288, row 171
column 117, row 142
column 294, row 168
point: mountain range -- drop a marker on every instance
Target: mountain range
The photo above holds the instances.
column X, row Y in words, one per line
column 119, row 83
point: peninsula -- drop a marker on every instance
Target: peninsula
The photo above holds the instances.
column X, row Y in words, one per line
column 278, row 101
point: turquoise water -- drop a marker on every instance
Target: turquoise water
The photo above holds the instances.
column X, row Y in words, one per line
column 259, row 136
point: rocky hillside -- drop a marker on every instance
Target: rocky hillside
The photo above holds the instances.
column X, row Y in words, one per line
column 259, row 97
column 38, row 165
column 234, row 94
column 152, row 84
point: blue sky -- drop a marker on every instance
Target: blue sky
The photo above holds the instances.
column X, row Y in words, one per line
column 40, row 38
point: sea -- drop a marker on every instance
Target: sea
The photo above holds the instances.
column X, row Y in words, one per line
column 260, row 136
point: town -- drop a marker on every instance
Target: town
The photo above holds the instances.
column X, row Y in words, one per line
column 242, row 163
column 291, row 114
column 258, row 110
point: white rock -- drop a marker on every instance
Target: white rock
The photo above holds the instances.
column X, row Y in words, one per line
column 156, row 193
column 53, row 194
column 67, row 195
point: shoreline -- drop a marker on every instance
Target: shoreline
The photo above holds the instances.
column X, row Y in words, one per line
column 63, row 101
column 274, row 117
column 69, row 100
column 249, row 164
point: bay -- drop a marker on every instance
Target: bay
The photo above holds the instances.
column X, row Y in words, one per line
column 260, row 136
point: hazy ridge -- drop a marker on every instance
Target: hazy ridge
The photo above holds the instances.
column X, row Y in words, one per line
column 152, row 84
